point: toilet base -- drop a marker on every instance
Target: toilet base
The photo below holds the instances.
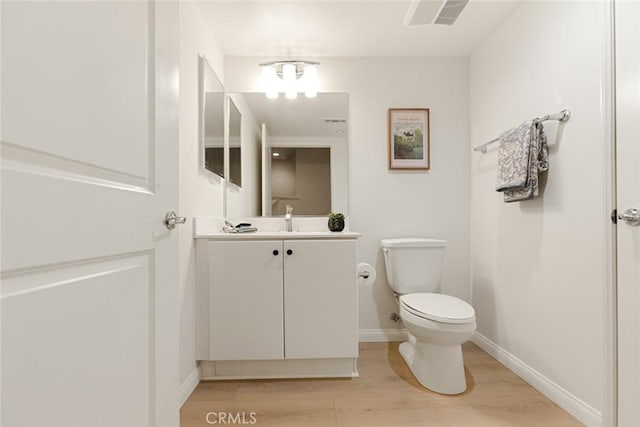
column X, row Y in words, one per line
column 437, row 367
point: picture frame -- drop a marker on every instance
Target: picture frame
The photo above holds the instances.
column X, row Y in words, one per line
column 409, row 142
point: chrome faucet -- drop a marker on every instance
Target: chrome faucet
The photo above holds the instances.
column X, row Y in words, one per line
column 288, row 217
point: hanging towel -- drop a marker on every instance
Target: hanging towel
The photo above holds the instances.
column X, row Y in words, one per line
column 523, row 154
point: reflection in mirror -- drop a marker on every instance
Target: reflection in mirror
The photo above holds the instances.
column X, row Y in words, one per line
column 304, row 153
column 301, row 178
column 212, row 119
column 235, row 146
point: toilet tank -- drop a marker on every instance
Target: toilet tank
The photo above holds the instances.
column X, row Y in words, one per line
column 413, row 264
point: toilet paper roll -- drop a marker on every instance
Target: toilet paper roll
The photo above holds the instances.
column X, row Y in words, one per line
column 366, row 273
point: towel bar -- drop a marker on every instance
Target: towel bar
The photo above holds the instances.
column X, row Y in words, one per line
column 562, row 116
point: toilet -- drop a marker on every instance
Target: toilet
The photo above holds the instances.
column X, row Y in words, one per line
column 438, row 324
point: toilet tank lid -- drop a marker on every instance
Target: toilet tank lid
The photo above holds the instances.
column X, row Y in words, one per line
column 413, row 242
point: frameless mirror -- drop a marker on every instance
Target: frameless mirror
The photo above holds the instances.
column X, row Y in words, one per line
column 212, row 119
column 304, row 153
column 235, row 144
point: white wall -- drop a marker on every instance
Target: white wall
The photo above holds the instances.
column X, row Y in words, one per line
column 538, row 267
column 197, row 196
column 387, row 203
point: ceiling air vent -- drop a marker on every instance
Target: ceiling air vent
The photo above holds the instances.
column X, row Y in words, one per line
column 450, row 12
column 423, row 12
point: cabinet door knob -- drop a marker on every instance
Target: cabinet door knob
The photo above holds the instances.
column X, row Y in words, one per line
column 289, row 252
column 275, row 252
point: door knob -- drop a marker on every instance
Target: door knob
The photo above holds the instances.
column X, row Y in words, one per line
column 289, row 252
column 631, row 216
column 171, row 219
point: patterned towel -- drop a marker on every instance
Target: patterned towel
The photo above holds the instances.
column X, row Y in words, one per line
column 523, row 154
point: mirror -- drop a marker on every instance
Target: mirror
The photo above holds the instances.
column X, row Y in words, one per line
column 304, row 153
column 211, row 119
column 235, row 146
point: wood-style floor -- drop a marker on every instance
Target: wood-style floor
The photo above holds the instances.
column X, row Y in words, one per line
column 385, row 395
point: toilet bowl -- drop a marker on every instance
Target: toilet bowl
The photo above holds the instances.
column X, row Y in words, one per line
column 438, row 324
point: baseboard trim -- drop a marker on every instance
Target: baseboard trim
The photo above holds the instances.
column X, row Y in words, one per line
column 563, row 398
column 382, row 335
column 345, row 367
column 189, row 385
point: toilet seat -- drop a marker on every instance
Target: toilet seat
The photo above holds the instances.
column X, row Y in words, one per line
column 438, row 307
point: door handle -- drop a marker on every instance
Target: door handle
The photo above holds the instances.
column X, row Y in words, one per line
column 631, row 216
column 171, row 219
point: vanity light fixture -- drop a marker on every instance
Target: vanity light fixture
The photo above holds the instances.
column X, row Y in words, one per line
column 290, row 78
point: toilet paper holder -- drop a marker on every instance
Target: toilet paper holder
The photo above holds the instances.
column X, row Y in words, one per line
column 366, row 274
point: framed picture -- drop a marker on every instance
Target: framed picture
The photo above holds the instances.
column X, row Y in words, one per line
column 409, row 138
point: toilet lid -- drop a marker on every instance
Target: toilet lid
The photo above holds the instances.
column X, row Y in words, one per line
column 438, row 307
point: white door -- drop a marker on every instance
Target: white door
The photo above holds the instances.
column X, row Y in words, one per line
column 89, row 272
column 627, row 21
column 266, row 172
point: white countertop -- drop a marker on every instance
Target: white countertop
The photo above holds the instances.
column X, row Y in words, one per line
column 313, row 228
column 279, row 235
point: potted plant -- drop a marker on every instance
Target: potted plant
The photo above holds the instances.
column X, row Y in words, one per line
column 336, row 221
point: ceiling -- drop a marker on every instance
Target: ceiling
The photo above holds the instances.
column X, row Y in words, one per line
column 348, row 28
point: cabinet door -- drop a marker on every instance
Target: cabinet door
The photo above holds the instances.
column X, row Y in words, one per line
column 320, row 300
column 245, row 300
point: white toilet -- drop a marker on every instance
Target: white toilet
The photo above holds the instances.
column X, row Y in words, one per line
column 438, row 324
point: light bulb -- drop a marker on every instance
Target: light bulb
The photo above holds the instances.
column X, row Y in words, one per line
column 291, row 94
column 310, row 78
column 289, row 78
column 289, row 73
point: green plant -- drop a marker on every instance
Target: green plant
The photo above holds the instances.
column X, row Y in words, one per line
column 336, row 221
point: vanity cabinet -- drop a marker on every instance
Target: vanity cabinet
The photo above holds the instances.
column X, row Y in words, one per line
column 277, row 307
column 292, row 299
